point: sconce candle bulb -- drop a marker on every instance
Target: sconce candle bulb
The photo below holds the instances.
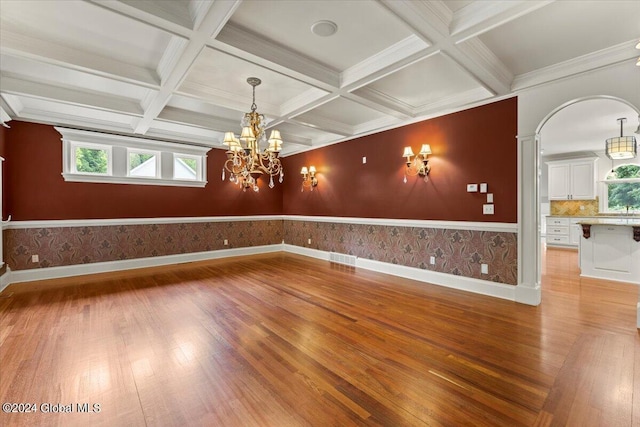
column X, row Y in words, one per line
column 308, row 177
column 419, row 165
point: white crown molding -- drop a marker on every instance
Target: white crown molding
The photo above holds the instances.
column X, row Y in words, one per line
column 411, row 47
column 606, row 57
column 63, row 95
column 478, row 286
column 4, row 117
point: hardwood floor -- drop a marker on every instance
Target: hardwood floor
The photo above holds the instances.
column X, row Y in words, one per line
column 284, row 340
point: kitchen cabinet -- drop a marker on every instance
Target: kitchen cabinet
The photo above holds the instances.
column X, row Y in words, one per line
column 572, row 179
column 564, row 231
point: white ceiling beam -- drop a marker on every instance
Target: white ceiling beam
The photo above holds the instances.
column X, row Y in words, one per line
column 239, row 42
column 479, row 63
column 381, row 102
column 198, row 119
column 217, row 16
column 482, row 16
column 99, row 101
column 148, row 15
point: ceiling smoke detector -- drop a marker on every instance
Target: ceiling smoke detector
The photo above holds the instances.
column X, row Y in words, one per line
column 324, row 28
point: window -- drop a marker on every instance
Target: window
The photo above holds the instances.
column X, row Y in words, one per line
column 143, row 163
column 92, row 159
column 186, row 167
column 101, row 157
column 622, row 190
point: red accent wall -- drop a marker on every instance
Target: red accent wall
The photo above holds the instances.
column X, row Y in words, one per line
column 36, row 190
column 3, row 132
column 472, row 146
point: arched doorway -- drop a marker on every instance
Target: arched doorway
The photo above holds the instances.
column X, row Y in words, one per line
column 577, row 129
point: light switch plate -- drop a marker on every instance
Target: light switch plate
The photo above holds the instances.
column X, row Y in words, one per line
column 483, row 187
column 364, row 160
column 472, row 188
column 484, row 268
column 432, row 260
column 487, row 209
column 489, row 197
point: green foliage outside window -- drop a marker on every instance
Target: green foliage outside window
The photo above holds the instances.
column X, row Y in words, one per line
column 91, row 160
column 624, row 196
column 192, row 163
column 136, row 159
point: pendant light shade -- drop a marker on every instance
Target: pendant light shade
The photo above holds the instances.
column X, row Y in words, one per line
column 621, row 147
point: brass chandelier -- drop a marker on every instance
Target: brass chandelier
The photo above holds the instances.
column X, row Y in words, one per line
column 245, row 161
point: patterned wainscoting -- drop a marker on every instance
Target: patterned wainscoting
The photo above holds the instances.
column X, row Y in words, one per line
column 62, row 246
column 458, row 252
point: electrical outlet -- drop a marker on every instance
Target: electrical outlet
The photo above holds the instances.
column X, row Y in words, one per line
column 487, row 209
column 226, row 242
column 484, row 269
column 309, row 241
column 432, row 260
column 35, row 258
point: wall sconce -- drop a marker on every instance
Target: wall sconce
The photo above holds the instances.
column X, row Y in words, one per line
column 419, row 165
column 309, row 177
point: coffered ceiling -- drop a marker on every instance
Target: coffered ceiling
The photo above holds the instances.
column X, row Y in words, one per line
column 177, row 69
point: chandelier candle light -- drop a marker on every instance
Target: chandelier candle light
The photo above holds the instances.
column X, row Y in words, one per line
column 245, row 161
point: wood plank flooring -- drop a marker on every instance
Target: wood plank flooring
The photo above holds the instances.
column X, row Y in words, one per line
column 284, row 340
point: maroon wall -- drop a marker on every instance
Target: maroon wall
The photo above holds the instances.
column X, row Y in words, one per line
column 471, row 146
column 3, row 133
column 35, row 189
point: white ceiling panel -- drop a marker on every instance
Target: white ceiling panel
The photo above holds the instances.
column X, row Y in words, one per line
column 86, row 27
column 562, row 31
column 364, row 28
column 219, row 76
column 426, row 82
column 177, row 69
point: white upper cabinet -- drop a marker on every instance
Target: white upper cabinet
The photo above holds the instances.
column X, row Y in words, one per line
column 572, row 179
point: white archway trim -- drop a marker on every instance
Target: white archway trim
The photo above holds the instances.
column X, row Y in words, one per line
column 578, row 100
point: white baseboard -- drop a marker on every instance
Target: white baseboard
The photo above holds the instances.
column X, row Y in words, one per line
column 529, row 295
column 20, row 276
column 5, row 279
column 478, row 286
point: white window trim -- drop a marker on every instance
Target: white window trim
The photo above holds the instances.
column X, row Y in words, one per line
column 119, row 162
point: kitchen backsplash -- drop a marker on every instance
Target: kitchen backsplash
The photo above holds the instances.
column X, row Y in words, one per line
column 572, row 207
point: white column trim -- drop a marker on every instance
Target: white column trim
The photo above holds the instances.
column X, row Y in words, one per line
column 528, row 290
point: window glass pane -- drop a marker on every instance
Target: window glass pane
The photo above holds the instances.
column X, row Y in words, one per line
column 185, row 167
column 624, row 196
column 624, row 171
column 143, row 164
column 91, row 160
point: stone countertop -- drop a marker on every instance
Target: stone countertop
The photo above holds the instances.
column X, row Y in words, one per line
column 632, row 222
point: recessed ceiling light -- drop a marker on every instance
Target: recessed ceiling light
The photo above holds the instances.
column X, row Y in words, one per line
column 324, row 28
